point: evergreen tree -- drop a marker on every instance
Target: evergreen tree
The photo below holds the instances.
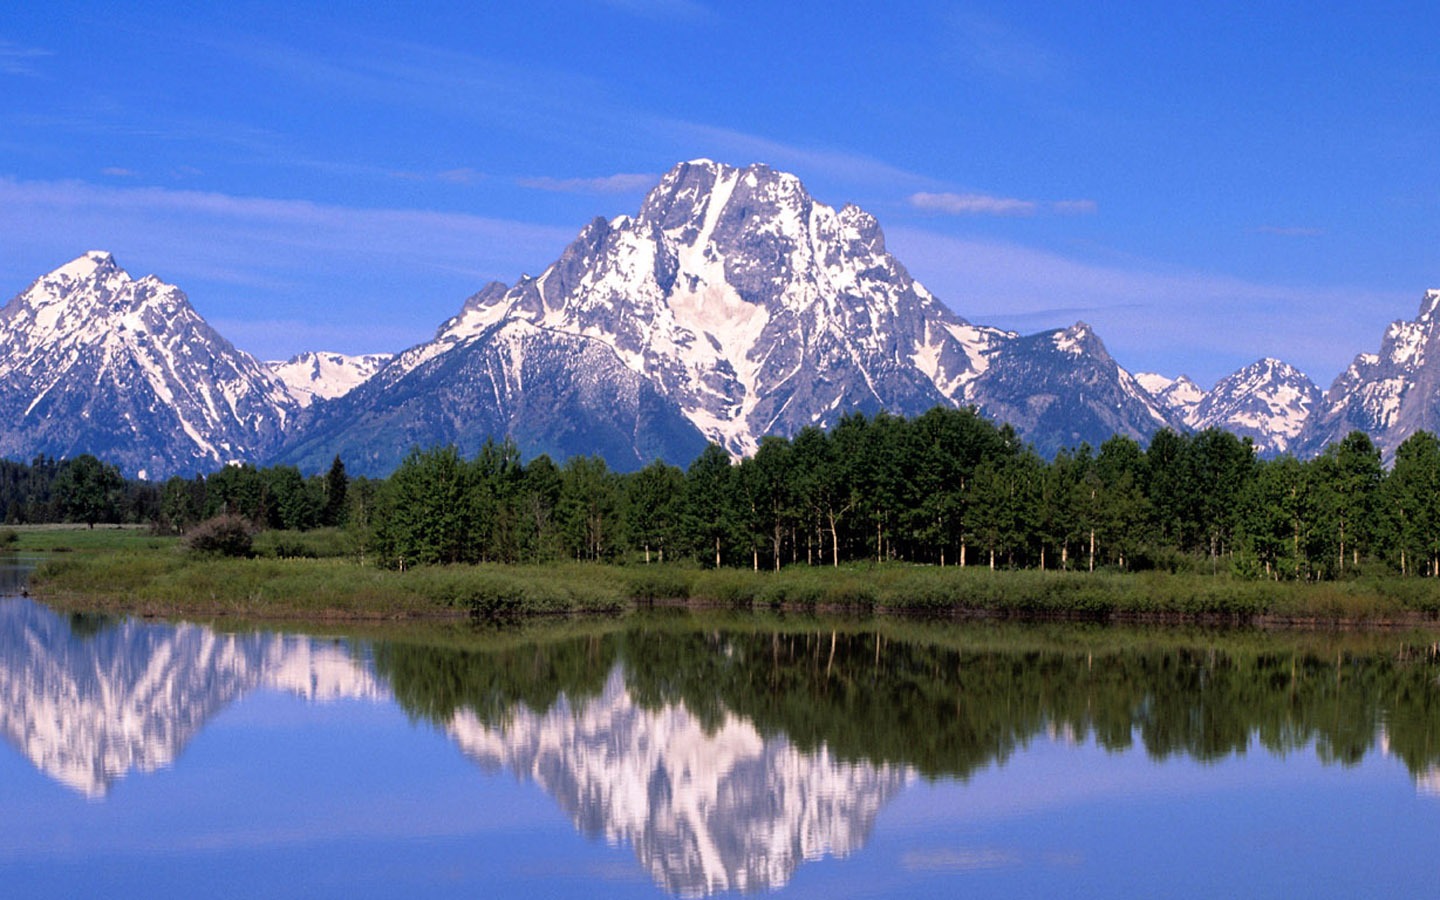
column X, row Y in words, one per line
column 337, row 485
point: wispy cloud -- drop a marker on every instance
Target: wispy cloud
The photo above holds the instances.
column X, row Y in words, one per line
column 462, row 175
column 118, row 172
column 972, row 204
column 959, row 860
column 968, row 204
column 1290, row 231
column 19, row 60
column 999, row 49
column 606, row 184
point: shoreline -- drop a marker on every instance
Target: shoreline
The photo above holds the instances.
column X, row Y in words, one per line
column 352, row 610
column 134, row 574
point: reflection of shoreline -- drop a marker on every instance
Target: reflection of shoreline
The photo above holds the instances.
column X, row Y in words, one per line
column 88, row 709
column 705, row 810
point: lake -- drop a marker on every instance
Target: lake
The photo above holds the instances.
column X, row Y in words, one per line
column 698, row 754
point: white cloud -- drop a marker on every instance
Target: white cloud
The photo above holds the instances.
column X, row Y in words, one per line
column 972, row 204
column 623, row 183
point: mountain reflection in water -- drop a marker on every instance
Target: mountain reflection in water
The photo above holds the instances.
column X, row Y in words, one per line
column 726, row 752
column 88, row 700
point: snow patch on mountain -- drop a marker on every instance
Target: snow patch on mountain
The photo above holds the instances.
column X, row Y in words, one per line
column 324, row 375
column 1179, row 395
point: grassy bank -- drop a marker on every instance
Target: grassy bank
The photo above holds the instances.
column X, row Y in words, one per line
column 130, row 571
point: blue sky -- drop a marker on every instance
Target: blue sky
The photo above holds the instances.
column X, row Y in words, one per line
column 1206, row 184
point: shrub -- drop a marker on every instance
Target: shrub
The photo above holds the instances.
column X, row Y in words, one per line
column 658, row 583
column 224, row 535
column 9, row 537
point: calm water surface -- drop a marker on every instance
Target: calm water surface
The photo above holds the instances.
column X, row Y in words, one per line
column 695, row 755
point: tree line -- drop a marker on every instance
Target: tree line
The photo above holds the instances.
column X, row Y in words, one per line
column 945, row 488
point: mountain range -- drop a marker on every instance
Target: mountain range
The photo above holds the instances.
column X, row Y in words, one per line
column 731, row 306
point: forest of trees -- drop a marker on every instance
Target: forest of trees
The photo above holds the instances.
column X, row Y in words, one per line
column 945, row 488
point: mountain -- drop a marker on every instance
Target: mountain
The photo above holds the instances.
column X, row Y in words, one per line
column 325, row 375
column 733, row 305
column 561, row 394
column 93, row 361
column 1059, row 388
column 1268, row 401
column 1389, row 395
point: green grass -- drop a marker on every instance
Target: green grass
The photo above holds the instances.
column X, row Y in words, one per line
column 131, row 571
column 73, row 538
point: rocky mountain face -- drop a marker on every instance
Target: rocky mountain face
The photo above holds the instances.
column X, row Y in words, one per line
column 1267, row 401
column 1389, row 395
column 93, row 361
column 325, row 375
column 1060, row 388
column 733, row 305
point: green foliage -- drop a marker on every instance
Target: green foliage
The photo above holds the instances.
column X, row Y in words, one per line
column 426, row 511
column 9, row 537
column 947, row 488
column 319, row 543
column 88, row 490
column 224, row 535
column 337, row 487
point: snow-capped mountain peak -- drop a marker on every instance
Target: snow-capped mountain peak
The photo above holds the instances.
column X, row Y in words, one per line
column 732, row 305
column 1389, row 395
column 1268, row 401
column 92, row 360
